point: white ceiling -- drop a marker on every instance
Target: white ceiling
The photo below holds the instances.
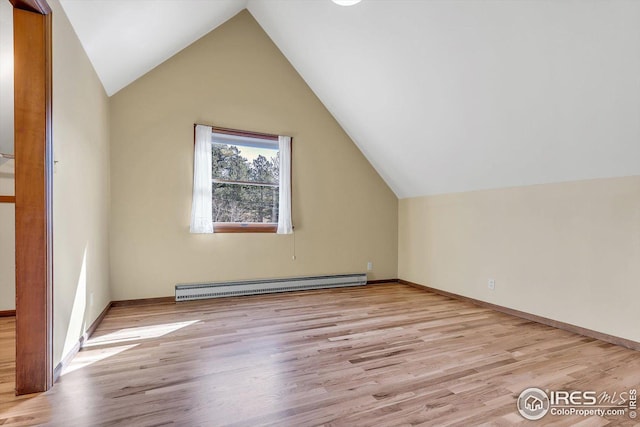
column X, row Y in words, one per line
column 127, row 38
column 441, row 96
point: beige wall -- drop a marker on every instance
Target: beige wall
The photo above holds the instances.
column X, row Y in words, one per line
column 567, row 251
column 344, row 213
column 81, row 189
column 7, row 238
column 6, row 77
column 7, row 218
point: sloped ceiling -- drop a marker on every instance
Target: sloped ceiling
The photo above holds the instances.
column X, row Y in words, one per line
column 441, row 96
column 125, row 39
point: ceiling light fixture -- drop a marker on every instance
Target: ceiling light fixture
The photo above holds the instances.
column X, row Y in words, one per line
column 346, row 2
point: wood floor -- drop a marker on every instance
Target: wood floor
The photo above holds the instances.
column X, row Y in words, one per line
column 380, row 355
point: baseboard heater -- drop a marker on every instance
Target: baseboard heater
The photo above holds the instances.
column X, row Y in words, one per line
column 193, row 291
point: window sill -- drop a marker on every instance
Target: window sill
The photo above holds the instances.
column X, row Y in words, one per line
column 235, row 227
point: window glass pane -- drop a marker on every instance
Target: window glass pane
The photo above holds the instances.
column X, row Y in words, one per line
column 245, row 183
column 245, row 203
column 239, row 163
column 244, row 140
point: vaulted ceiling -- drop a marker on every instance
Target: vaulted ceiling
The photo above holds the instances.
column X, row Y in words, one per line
column 441, row 96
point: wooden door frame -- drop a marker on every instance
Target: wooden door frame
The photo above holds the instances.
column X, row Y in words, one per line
column 33, row 189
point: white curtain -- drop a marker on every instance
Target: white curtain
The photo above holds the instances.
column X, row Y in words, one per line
column 284, row 212
column 202, row 204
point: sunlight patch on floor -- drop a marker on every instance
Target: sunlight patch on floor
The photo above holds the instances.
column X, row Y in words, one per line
column 138, row 333
column 88, row 357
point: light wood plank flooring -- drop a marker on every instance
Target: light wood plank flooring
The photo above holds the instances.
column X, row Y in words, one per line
column 380, row 355
column 7, row 361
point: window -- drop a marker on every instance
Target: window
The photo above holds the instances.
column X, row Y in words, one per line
column 245, row 174
column 241, row 182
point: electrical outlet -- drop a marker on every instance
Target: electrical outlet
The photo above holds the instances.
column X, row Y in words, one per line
column 369, row 266
column 491, row 284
